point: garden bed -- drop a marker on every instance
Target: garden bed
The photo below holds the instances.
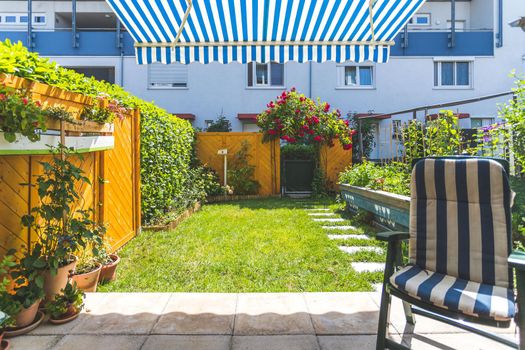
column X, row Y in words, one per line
column 389, row 209
column 173, row 224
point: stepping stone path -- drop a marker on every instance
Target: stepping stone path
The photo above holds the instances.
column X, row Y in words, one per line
column 329, row 220
column 363, row 237
column 353, row 250
column 327, row 216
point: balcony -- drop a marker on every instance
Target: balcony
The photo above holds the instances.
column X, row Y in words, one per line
column 104, row 43
column 90, row 43
column 436, row 43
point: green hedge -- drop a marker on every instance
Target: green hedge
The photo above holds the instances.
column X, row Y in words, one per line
column 166, row 141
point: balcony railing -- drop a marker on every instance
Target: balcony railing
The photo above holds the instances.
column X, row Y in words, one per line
column 106, row 43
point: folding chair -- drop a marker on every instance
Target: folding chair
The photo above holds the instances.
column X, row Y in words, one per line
column 460, row 266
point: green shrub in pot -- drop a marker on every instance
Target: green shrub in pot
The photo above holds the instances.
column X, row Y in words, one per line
column 68, row 303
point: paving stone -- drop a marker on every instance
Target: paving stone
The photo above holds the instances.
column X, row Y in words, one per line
column 321, row 214
column 329, row 220
column 357, row 249
column 90, row 342
column 342, row 342
column 272, row 313
column 343, row 313
column 124, row 313
column 33, row 342
column 318, row 209
column 187, row 342
column 368, row 266
column 344, row 228
column 277, row 342
column 363, row 237
column 198, row 313
column 378, row 287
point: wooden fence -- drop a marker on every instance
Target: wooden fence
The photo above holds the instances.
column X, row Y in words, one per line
column 264, row 156
column 114, row 192
column 333, row 161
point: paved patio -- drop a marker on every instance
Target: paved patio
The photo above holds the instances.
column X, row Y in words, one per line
column 327, row 321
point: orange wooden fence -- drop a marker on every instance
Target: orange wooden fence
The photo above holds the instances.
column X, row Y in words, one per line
column 114, row 192
column 333, row 161
column 264, row 156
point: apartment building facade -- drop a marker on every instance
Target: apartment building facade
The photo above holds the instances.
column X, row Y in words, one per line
column 450, row 50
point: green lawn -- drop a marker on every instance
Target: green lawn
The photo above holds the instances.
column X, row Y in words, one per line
column 269, row 245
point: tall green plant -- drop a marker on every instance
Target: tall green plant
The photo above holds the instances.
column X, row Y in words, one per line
column 241, row 172
column 514, row 115
column 62, row 230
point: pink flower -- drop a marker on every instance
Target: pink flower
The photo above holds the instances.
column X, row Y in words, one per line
column 318, row 138
column 293, row 88
column 272, row 132
column 302, row 99
column 315, row 120
column 3, row 97
column 346, row 122
column 311, row 132
column 305, row 127
column 25, row 101
column 347, row 147
column 38, row 103
column 297, row 111
column 270, row 105
column 326, row 107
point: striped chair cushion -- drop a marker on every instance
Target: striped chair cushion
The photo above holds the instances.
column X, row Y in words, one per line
column 455, row 294
column 460, row 219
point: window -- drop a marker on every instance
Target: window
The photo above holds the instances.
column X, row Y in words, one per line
column 450, row 74
column 39, row 19
column 480, row 122
column 420, row 19
column 356, row 76
column 167, row 76
column 21, row 19
column 265, row 74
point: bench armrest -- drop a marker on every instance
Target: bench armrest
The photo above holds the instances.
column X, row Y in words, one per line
column 517, row 260
column 392, row 236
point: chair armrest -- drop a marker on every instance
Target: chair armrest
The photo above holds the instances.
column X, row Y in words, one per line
column 517, row 260
column 392, row 236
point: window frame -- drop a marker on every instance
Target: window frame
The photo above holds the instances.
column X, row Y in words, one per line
column 437, row 84
column 256, row 86
column 151, row 87
column 341, row 74
column 424, row 14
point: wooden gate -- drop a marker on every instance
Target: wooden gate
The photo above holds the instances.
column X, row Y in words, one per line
column 333, row 161
column 264, row 156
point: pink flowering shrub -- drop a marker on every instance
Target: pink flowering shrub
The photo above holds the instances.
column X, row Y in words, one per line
column 296, row 118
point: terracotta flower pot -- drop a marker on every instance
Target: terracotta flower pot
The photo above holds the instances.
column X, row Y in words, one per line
column 4, row 344
column 88, row 281
column 26, row 316
column 71, row 314
column 109, row 271
column 53, row 284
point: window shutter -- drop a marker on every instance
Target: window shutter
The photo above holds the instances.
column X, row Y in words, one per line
column 168, row 75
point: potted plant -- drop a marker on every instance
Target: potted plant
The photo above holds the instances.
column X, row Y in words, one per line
column 87, row 273
column 61, row 229
column 109, row 263
column 67, row 305
column 4, row 318
column 8, row 307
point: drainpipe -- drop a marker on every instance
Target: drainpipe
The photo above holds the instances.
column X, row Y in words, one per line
column 74, row 23
column 310, row 79
column 120, row 45
column 499, row 35
column 30, row 25
column 452, row 35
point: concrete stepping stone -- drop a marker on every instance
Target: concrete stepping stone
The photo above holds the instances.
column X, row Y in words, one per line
column 321, row 214
column 363, row 237
column 330, row 220
column 368, row 266
column 345, row 228
column 378, row 287
column 317, row 209
column 357, row 249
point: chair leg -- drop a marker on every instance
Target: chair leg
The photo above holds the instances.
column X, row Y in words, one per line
column 409, row 315
column 384, row 315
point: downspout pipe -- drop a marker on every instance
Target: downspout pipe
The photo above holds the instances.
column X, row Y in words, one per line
column 310, row 79
column 452, row 38
column 120, row 46
column 30, row 25
column 499, row 36
column 74, row 23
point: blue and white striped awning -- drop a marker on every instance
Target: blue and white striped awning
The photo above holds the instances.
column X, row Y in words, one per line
column 263, row 30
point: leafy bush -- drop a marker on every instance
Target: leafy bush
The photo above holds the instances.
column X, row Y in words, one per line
column 240, row 173
column 166, row 141
column 220, row 125
column 293, row 151
column 392, row 177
